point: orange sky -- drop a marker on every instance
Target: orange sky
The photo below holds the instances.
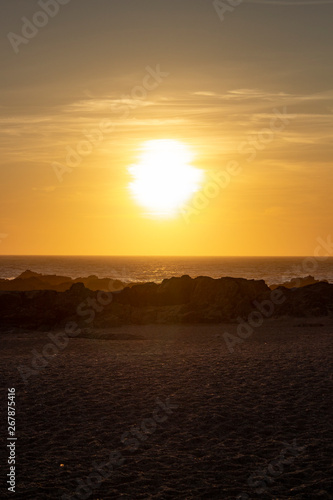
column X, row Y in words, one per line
column 254, row 89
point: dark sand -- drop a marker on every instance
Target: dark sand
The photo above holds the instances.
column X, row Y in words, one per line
column 236, row 413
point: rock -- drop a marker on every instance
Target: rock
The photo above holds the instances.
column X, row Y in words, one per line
column 29, row 280
column 177, row 300
column 308, row 301
column 298, row 282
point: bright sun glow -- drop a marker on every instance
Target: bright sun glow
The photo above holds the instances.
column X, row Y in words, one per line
column 164, row 179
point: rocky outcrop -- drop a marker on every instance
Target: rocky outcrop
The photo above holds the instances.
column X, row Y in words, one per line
column 175, row 300
column 298, row 282
column 201, row 299
column 309, row 301
column 30, row 280
column 42, row 308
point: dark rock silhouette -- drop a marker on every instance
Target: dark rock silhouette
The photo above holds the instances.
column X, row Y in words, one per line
column 298, row 282
column 309, row 301
column 201, row 299
column 29, row 280
column 175, row 300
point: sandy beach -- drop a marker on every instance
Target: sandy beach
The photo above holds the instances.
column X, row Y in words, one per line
column 166, row 411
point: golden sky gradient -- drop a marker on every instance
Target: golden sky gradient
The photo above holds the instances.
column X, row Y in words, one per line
column 253, row 90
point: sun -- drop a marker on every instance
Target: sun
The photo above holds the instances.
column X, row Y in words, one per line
column 164, row 179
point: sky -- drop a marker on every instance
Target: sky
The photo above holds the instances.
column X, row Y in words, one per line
column 246, row 88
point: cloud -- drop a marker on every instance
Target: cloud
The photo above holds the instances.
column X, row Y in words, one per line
column 204, row 93
column 44, row 189
column 206, row 113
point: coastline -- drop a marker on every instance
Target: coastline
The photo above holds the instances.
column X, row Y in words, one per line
column 192, row 388
column 34, row 301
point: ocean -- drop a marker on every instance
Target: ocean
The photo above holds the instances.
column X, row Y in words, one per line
column 129, row 269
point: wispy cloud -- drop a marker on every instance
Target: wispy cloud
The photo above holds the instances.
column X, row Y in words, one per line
column 228, row 116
